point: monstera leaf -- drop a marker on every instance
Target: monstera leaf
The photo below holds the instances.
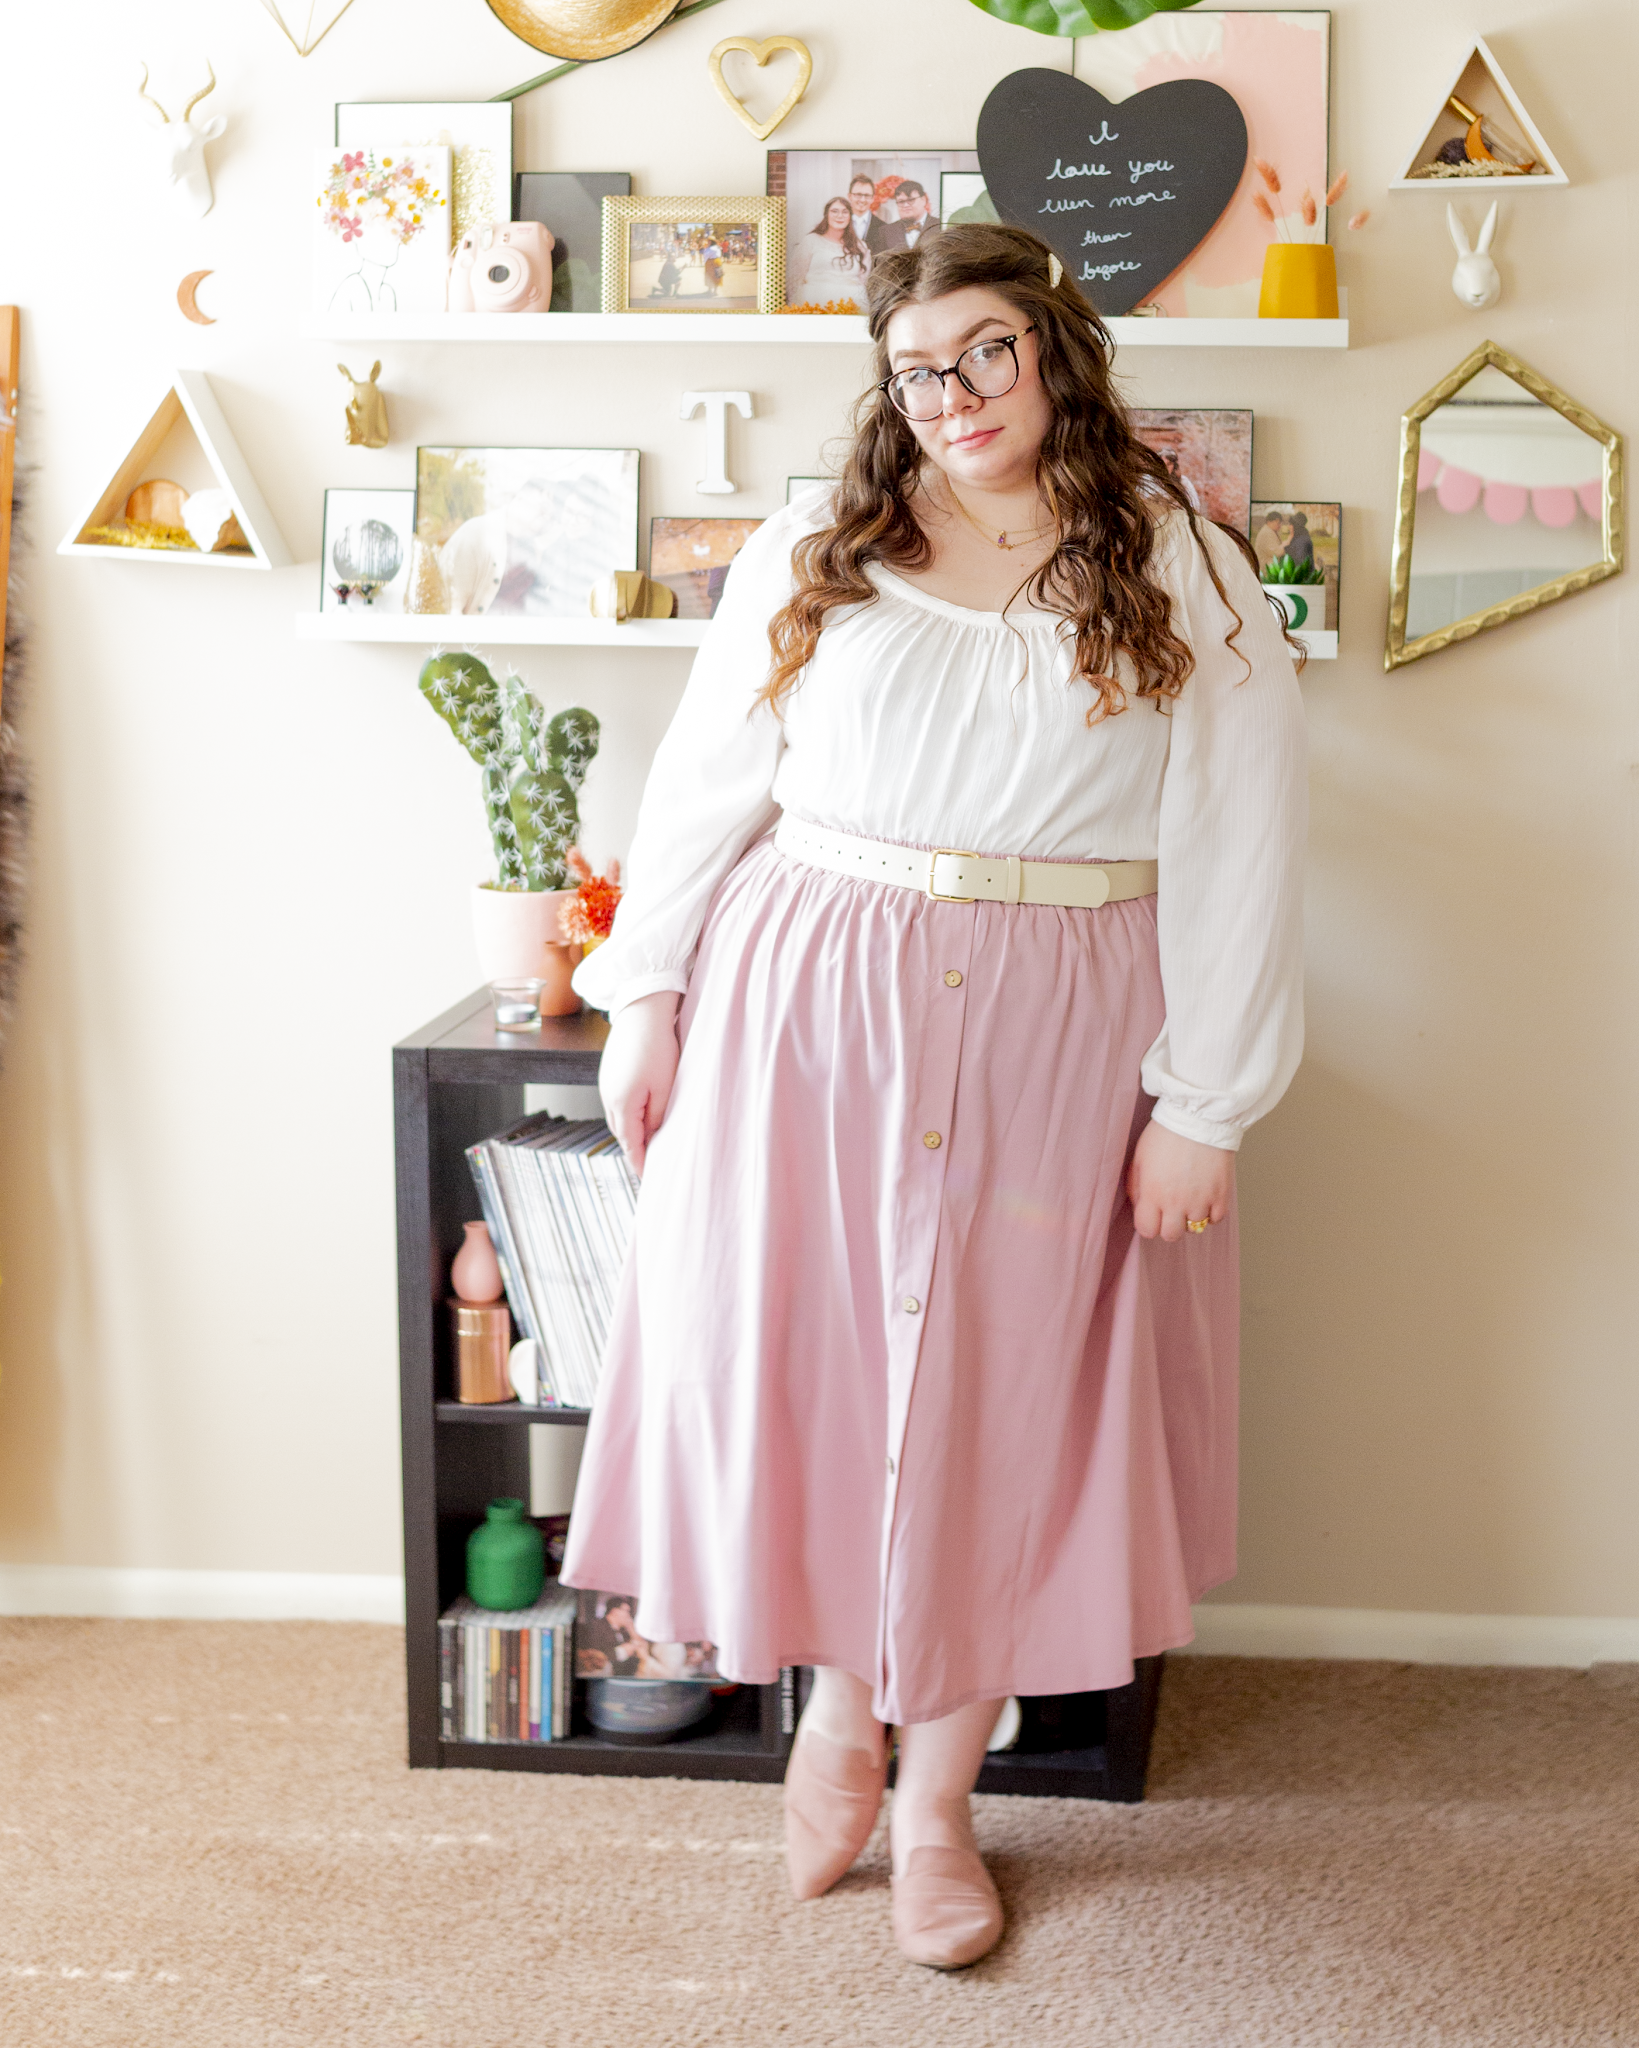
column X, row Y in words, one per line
column 1077, row 17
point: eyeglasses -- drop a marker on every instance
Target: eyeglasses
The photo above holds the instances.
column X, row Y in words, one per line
column 988, row 369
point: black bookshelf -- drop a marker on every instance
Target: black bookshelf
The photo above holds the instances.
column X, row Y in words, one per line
column 458, row 1080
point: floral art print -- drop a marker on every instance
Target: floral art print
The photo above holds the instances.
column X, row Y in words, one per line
column 383, row 240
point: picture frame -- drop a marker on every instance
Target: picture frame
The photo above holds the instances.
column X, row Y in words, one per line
column 691, row 557
column 1276, row 65
column 810, row 181
column 477, row 133
column 381, row 229
column 1274, row 521
column 1208, row 449
column 963, row 197
column 748, row 235
column 570, row 205
column 367, row 541
column 526, row 532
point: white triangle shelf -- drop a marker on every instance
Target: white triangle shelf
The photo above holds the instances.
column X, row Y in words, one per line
column 189, row 398
column 1481, row 83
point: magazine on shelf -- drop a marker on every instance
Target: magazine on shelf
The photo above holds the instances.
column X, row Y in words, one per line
column 607, row 1645
column 507, row 1676
column 559, row 1199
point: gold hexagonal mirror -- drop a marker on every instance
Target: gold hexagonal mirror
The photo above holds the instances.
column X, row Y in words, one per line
column 1510, row 497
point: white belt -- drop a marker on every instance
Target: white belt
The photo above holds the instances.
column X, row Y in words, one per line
column 949, row 875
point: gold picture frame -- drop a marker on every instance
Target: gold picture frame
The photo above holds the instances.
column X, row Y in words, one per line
column 1398, row 651
column 765, row 218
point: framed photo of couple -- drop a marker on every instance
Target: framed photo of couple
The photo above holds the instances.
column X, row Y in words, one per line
column 846, row 208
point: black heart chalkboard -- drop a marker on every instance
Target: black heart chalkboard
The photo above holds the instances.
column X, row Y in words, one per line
column 1123, row 191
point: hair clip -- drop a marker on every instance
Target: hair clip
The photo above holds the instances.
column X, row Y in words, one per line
column 1055, row 270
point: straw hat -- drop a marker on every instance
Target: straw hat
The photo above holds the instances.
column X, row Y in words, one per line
column 582, row 30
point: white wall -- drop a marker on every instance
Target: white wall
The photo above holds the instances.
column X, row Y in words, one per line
column 251, row 856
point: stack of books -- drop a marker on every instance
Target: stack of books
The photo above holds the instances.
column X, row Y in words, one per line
column 507, row 1677
column 559, row 1200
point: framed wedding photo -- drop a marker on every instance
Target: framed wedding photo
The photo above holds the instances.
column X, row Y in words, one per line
column 693, row 255
column 1208, row 450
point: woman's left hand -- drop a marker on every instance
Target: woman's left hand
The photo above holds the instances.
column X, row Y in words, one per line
column 1173, row 1181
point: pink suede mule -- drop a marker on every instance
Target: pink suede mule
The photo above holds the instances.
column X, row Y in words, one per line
column 832, row 1796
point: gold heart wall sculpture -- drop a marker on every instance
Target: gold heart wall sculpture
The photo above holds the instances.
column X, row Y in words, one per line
column 759, row 53
column 325, row 12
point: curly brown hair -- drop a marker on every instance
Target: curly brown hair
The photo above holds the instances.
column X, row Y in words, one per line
column 1107, row 492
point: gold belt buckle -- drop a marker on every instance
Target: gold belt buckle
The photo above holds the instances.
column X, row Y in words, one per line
column 938, row 854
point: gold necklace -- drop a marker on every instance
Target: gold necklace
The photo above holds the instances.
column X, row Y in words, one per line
column 998, row 539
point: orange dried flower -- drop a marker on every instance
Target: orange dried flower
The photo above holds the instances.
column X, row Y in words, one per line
column 1266, row 170
column 1336, row 189
column 1359, row 220
column 1308, row 209
column 586, row 919
column 1264, row 207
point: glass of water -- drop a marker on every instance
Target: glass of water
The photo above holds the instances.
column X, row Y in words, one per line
column 517, row 1004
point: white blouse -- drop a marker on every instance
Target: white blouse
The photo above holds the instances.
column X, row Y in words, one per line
column 922, row 722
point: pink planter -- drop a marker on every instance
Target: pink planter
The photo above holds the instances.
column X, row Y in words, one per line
column 517, row 937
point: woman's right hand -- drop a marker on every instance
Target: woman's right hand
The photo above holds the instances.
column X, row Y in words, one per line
column 639, row 1066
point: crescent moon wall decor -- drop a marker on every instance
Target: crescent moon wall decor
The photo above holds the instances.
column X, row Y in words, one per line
column 187, row 298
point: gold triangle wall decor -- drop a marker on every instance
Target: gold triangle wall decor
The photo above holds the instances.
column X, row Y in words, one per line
column 1481, row 84
column 189, row 399
column 314, row 21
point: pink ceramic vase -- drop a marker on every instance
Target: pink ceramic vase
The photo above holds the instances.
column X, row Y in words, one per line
column 475, row 1273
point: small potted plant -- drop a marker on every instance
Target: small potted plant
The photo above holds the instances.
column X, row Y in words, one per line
column 532, row 769
column 1281, row 578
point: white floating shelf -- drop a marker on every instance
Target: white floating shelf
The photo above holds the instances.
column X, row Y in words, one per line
column 424, row 629
column 834, row 328
column 434, row 629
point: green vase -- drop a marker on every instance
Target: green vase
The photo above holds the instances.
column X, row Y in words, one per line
column 506, row 1558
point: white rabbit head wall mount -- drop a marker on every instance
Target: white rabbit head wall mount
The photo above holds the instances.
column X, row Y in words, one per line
column 1475, row 280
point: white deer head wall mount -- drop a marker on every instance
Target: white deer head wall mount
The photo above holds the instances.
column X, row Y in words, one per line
column 182, row 148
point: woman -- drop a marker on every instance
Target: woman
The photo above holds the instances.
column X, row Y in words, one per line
column 924, row 1370
column 712, row 256
column 830, row 264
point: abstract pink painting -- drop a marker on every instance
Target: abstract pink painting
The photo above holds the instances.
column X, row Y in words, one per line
column 1277, row 67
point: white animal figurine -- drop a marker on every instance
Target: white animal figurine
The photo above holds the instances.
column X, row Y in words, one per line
column 1475, row 279
column 182, row 149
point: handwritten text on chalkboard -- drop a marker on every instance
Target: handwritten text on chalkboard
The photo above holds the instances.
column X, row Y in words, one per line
column 1155, row 172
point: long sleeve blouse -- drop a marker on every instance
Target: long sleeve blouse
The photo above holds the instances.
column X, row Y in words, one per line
column 929, row 724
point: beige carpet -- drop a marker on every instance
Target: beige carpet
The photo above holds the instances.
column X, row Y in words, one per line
column 208, row 1840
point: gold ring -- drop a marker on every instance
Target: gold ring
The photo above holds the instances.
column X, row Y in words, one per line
column 1196, row 1223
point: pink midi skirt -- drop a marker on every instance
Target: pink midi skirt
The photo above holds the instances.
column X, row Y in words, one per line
column 893, row 1384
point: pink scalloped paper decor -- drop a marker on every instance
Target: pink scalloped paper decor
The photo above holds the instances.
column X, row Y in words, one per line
column 1428, row 470
column 1554, row 504
column 1591, row 497
column 1458, row 490
column 1505, row 503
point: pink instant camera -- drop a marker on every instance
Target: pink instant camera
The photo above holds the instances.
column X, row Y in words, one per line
column 503, row 268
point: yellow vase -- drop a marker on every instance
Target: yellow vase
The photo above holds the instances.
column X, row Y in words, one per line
column 1299, row 282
